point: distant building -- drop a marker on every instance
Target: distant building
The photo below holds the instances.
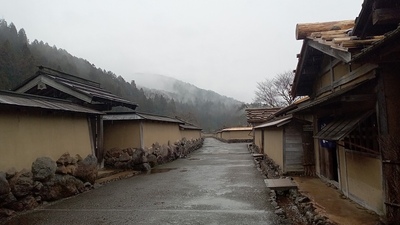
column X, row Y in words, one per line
column 140, row 130
column 257, row 116
column 236, row 134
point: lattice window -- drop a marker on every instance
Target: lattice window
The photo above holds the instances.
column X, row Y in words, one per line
column 364, row 137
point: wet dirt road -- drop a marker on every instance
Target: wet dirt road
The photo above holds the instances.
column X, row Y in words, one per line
column 217, row 184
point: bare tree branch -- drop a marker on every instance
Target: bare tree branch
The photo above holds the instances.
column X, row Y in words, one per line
column 275, row 92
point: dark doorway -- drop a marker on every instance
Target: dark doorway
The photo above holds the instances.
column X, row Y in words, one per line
column 329, row 163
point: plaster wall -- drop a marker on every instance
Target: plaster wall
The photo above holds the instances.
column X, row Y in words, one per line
column 190, row 134
column 238, row 135
column 160, row 132
column 257, row 137
column 121, row 134
column 364, row 180
column 26, row 135
column 273, row 144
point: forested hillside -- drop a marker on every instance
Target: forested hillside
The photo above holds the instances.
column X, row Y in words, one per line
column 19, row 59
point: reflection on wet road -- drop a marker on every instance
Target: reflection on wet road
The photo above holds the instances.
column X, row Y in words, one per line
column 217, row 184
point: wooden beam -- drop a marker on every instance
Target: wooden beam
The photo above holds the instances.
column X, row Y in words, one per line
column 332, row 36
column 344, row 56
column 364, row 71
column 304, row 30
column 331, row 32
column 386, row 16
column 358, row 98
column 358, row 43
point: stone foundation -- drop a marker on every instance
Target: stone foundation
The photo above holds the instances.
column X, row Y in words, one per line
column 145, row 159
column 47, row 180
column 290, row 204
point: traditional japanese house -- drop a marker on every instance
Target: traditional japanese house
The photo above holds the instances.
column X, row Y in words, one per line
column 282, row 139
column 35, row 126
column 139, row 130
column 257, row 116
column 236, row 134
column 350, row 71
column 56, row 84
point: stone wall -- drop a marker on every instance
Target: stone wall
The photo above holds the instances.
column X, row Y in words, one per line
column 291, row 205
column 145, row 159
column 47, row 180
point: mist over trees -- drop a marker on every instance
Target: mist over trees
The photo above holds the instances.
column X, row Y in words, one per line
column 19, row 59
column 275, row 92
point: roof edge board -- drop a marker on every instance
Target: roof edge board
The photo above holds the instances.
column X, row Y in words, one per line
column 32, row 83
column 299, row 67
column 66, row 89
column 341, row 55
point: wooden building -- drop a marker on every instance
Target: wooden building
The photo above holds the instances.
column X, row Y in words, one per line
column 257, row 116
column 349, row 69
column 281, row 139
column 34, row 126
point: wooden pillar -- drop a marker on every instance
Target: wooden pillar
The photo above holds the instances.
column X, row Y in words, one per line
column 141, row 135
column 99, row 139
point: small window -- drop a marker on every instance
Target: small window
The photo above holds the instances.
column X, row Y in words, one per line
column 364, row 136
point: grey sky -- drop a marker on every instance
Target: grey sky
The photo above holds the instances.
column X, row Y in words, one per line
column 221, row 45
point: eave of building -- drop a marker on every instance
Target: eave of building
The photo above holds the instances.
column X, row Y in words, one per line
column 386, row 50
column 337, row 96
column 377, row 17
column 334, row 43
column 89, row 92
column 13, row 99
column 40, row 80
column 140, row 116
column 189, row 127
column 259, row 115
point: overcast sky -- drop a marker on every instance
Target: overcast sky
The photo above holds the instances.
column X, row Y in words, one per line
column 222, row 45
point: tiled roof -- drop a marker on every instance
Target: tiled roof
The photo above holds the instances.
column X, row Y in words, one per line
column 32, row 101
column 189, row 127
column 139, row 116
column 276, row 122
column 259, row 115
column 343, row 40
column 85, row 90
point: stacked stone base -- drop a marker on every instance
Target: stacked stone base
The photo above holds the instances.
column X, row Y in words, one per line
column 290, row 204
column 46, row 181
column 145, row 159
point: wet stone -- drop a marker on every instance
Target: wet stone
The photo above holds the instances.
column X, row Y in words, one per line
column 279, row 212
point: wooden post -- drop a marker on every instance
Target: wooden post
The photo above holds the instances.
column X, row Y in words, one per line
column 304, row 30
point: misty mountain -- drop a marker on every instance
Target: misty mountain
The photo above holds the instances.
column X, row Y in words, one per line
column 178, row 90
column 20, row 57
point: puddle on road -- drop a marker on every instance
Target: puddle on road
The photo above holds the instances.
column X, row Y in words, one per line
column 219, row 202
column 161, row 170
column 193, row 159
